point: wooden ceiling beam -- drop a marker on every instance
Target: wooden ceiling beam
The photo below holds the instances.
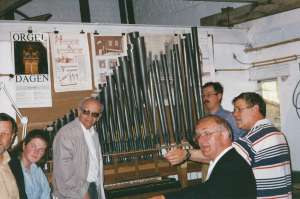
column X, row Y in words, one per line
column 232, row 16
column 44, row 17
column 7, row 6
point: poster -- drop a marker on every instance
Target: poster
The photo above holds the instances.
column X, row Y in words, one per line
column 207, row 52
column 33, row 83
column 71, row 62
column 106, row 50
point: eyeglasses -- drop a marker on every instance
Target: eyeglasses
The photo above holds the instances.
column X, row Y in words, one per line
column 5, row 134
column 209, row 94
column 238, row 110
column 89, row 113
column 205, row 134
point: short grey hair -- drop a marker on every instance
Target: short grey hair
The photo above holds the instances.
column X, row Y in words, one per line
column 222, row 123
column 88, row 99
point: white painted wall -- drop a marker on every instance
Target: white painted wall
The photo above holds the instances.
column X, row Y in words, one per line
column 176, row 12
column 230, row 73
column 6, row 67
column 273, row 29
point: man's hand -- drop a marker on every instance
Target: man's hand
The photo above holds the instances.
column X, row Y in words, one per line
column 176, row 156
column 157, row 197
column 86, row 196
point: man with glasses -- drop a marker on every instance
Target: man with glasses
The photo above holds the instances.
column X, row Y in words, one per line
column 212, row 99
column 229, row 175
column 8, row 184
column 77, row 159
column 264, row 147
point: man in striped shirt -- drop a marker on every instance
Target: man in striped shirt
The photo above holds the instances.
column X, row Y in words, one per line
column 264, row 147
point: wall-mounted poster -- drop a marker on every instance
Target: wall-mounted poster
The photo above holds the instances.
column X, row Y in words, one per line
column 71, row 62
column 106, row 49
column 33, row 83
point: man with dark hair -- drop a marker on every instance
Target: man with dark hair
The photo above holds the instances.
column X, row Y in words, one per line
column 8, row 130
column 77, row 159
column 212, row 98
column 229, row 175
column 264, row 147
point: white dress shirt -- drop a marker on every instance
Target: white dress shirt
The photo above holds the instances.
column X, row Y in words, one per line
column 94, row 167
column 213, row 163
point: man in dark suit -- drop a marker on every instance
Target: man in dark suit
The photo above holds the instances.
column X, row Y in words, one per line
column 229, row 175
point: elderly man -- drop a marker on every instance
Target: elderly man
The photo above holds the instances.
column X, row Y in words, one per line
column 229, row 175
column 264, row 147
column 8, row 185
column 77, row 159
column 212, row 99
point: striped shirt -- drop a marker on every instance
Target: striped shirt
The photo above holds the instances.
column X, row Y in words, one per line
column 265, row 148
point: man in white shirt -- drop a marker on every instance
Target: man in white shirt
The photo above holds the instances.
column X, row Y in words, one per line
column 77, row 159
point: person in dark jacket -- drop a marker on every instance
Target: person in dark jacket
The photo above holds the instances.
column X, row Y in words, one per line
column 229, row 175
column 31, row 180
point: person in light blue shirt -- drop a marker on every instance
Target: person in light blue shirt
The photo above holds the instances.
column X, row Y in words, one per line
column 212, row 99
column 227, row 115
column 32, row 148
column 36, row 183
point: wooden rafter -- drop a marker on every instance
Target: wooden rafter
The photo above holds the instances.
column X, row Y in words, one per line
column 232, row 16
column 7, row 6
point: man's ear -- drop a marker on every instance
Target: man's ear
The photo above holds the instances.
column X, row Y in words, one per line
column 220, row 95
column 256, row 107
column 23, row 146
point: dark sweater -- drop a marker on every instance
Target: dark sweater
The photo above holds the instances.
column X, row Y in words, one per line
column 16, row 168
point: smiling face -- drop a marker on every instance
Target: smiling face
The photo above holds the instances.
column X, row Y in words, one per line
column 33, row 151
column 6, row 136
column 212, row 138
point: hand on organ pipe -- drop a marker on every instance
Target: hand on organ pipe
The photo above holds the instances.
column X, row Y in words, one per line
column 178, row 156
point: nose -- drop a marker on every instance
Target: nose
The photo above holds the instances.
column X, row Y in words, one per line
column 235, row 114
column 205, row 97
column 202, row 139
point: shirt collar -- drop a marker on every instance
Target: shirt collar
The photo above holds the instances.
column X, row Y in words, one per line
column 262, row 122
column 6, row 158
column 220, row 110
column 221, row 154
column 85, row 130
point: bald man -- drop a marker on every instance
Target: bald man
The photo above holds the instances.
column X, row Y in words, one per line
column 229, row 175
column 77, row 159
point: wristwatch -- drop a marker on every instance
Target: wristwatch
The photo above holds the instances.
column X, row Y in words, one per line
column 187, row 155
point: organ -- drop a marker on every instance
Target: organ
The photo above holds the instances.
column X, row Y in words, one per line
column 151, row 104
